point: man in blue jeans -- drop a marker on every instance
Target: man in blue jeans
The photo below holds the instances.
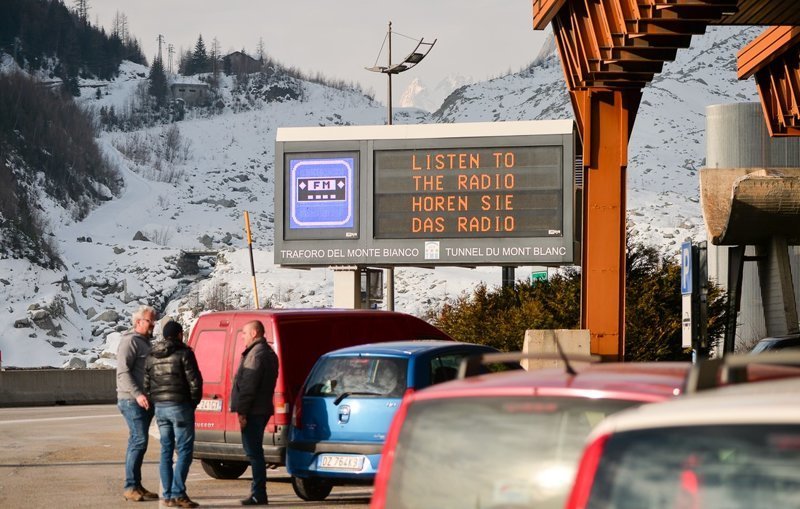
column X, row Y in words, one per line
column 251, row 398
column 134, row 346
column 174, row 384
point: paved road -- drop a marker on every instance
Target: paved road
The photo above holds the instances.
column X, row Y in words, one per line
column 73, row 456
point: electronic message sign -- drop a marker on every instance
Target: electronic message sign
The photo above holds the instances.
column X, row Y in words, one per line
column 468, row 193
column 501, row 193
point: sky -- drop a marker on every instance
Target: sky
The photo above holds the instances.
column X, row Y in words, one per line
column 480, row 39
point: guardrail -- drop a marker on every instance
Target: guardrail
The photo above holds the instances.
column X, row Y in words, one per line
column 41, row 387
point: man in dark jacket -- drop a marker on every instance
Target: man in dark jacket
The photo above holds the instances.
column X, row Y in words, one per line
column 251, row 398
column 174, row 384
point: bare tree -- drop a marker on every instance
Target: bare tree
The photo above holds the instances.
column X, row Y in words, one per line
column 260, row 51
column 215, row 57
column 82, row 8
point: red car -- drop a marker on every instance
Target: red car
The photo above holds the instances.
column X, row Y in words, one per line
column 507, row 440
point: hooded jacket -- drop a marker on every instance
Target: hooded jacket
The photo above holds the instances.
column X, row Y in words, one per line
column 171, row 374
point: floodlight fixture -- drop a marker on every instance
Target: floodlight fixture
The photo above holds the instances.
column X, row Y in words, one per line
column 412, row 59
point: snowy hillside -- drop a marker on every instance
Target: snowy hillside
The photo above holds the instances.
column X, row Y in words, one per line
column 418, row 95
column 668, row 145
column 127, row 251
column 197, row 201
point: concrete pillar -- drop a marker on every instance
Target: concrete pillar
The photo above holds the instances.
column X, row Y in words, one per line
column 573, row 341
column 777, row 288
column 347, row 288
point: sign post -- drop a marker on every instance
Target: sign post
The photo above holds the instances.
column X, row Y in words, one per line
column 694, row 299
column 686, row 294
column 252, row 264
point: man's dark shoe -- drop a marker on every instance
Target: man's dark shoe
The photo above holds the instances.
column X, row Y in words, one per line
column 168, row 502
column 184, row 502
column 147, row 494
column 254, row 501
column 133, row 495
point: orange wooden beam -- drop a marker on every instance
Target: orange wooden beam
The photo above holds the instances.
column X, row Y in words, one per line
column 544, row 12
column 773, row 59
column 610, row 49
column 608, row 122
column 765, row 49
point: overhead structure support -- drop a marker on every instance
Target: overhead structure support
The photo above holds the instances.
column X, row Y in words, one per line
column 777, row 289
column 773, row 58
column 610, row 50
column 609, row 117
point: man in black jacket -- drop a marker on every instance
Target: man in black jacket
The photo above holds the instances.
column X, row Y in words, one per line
column 173, row 382
column 251, row 398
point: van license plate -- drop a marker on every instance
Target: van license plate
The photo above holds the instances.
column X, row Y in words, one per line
column 210, row 405
column 331, row 462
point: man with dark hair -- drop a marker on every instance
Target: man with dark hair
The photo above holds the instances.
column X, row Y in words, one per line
column 134, row 346
column 174, row 384
column 251, row 398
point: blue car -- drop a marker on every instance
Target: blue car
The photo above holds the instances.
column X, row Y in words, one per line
column 344, row 410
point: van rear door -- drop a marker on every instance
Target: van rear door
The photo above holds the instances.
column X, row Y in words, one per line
column 210, row 345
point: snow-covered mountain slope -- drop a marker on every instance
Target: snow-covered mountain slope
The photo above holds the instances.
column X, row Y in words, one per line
column 226, row 167
column 418, row 95
column 127, row 251
column 668, row 145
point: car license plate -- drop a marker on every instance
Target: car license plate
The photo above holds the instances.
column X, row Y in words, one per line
column 210, row 405
column 331, row 462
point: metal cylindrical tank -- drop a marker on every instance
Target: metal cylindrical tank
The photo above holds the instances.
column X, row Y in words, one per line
column 737, row 137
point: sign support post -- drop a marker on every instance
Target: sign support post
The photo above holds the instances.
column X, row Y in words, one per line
column 252, row 265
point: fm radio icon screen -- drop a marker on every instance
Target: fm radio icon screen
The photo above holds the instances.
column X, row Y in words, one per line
column 321, row 193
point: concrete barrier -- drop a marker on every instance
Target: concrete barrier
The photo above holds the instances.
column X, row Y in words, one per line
column 32, row 387
column 573, row 341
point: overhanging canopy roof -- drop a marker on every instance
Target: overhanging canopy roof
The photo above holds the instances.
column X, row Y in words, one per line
column 744, row 12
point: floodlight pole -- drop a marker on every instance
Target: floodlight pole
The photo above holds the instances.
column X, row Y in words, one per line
column 389, row 271
column 389, row 65
column 413, row 58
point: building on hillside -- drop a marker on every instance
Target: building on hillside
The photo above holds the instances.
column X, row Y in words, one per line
column 239, row 62
column 193, row 94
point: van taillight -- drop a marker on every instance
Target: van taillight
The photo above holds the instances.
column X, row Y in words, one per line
column 587, row 470
column 297, row 411
column 281, row 409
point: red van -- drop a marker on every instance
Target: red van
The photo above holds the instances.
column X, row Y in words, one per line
column 299, row 338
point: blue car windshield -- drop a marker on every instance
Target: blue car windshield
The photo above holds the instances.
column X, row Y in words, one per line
column 362, row 376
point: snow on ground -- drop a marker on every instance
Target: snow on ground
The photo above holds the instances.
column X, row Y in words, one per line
column 229, row 168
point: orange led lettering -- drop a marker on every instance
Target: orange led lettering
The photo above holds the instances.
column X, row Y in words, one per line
column 427, row 225
column 496, row 202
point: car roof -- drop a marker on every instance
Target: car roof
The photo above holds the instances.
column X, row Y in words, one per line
column 639, row 381
column 767, row 402
column 403, row 348
column 298, row 312
column 778, row 339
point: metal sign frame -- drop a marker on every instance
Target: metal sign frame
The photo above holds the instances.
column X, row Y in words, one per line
column 360, row 246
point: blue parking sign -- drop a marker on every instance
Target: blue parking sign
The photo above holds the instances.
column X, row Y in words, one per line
column 686, row 268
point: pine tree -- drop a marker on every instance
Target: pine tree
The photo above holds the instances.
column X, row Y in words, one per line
column 199, row 57
column 158, row 82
